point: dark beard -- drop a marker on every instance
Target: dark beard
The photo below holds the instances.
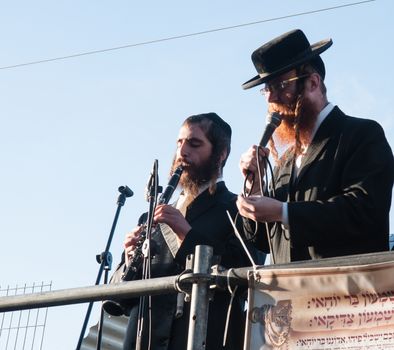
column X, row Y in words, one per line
column 193, row 177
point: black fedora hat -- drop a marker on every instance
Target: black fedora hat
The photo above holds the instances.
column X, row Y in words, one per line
column 284, row 53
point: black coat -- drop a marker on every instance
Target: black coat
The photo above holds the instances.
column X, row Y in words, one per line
column 340, row 201
column 210, row 226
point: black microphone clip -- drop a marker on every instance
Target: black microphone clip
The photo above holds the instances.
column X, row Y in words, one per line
column 126, row 191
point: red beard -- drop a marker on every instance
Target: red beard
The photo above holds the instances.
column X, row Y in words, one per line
column 285, row 134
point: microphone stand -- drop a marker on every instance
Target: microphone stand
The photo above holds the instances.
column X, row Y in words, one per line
column 153, row 190
column 105, row 261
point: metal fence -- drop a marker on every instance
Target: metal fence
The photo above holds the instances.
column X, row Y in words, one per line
column 23, row 329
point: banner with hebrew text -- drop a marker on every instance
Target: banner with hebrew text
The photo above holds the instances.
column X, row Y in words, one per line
column 331, row 308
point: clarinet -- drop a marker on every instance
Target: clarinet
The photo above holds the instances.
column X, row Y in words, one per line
column 121, row 307
column 131, row 272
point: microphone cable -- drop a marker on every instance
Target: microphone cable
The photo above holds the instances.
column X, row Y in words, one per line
column 264, row 192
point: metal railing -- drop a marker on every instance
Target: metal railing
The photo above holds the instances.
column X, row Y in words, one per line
column 172, row 284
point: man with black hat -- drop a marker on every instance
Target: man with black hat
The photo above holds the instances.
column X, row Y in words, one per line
column 198, row 218
column 331, row 188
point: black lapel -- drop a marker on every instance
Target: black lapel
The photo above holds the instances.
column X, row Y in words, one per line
column 203, row 202
column 323, row 134
column 285, row 176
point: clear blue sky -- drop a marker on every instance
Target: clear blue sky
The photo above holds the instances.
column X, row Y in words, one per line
column 74, row 130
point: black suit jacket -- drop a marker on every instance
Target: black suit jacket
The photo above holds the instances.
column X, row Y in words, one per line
column 210, row 226
column 340, row 201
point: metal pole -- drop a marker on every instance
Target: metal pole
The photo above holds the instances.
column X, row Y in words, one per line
column 115, row 291
column 199, row 304
column 105, row 258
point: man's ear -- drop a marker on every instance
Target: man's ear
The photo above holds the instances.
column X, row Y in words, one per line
column 314, row 81
column 223, row 156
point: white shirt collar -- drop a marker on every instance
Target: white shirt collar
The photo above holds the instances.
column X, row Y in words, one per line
column 322, row 115
column 183, row 196
column 320, row 118
column 205, row 186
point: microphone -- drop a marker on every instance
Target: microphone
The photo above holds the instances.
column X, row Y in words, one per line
column 172, row 184
column 153, row 180
column 273, row 120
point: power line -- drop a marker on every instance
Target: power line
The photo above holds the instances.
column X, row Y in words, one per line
column 184, row 35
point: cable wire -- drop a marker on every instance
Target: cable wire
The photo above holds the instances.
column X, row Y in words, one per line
column 182, row 36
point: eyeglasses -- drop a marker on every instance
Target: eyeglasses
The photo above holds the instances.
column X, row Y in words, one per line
column 279, row 87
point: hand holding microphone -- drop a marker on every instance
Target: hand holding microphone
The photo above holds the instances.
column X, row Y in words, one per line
column 247, row 164
column 249, row 160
